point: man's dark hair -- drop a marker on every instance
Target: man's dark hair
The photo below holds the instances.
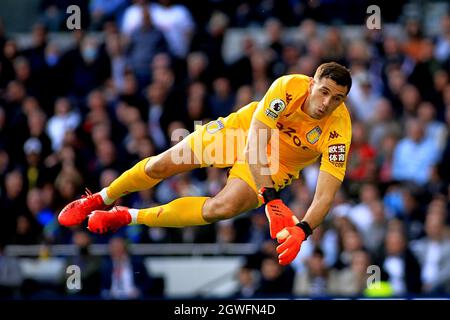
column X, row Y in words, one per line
column 336, row 72
column 318, row 251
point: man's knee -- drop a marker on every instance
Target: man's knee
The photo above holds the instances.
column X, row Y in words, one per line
column 216, row 209
column 157, row 168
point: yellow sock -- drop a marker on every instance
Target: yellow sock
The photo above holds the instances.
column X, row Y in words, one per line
column 179, row 213
column 134, row 179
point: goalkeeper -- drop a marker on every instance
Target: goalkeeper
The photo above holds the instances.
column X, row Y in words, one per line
column 265, row 144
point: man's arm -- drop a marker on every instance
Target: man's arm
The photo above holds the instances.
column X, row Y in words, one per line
column 255, row 153
column 278, row 214
column 291, row 238
column 327, row 186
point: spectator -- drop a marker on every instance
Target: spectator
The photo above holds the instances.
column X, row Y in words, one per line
column 156, row 96
column 422, row 73
column 273, row 29
column 123, row 275
column 442, row 49
column 137, row 133
column 106, row 10
column 89, row 264
column 409, row 101
column 248, row 279
column 176, row 23
column 52, row 72
column 362, row 167
column 27, row 231
column 433, row 253
column 65, row 118
column 240, row 70
column 414, row 156
column 107, row 157
column 435, row 131
column 196, row 105
column 11, row 277
column 376, row 232
column 394, row 84
column 35, row 54
column 13, row 99
column 351, row 242
column 53, row 13
column 211, row 41
column 144, row 44
column 34, row 168
column 414, row 43
column 412, row 210
column 37, row 122
column 334, row 45
column 244, row 96
column 352, row 280
column 222, row 100
column 363, row 97
column 382, row 123
column 315, row 279
column 289, row 56
column 257, row 232
column 442, row 89
column 37, row 209
column 385, row 158
column 275, row 280
column 88, row 66
column 226, row 232
column 23, row 74
column 115, row 49
column 324, row 240
column 361, row 214
column 13, row 204
column 443, row 168
column 400, row 264
column 96, row 113
column 133, row 16
column 197, row 68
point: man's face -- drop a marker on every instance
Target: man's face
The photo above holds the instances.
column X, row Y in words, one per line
column 325, row 96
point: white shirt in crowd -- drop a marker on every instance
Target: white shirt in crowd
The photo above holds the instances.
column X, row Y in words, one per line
column 175, row 22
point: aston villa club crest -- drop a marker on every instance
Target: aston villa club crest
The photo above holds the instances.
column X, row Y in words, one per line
column 314, row 135
column 214, row 126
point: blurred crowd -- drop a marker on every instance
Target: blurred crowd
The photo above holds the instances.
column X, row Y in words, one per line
column 75, row 118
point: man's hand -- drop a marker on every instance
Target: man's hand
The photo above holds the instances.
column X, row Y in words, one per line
column 291, row 239
column 279, row 216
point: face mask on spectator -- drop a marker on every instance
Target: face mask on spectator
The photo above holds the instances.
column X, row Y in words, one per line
column 89, row 54
column 51, row 59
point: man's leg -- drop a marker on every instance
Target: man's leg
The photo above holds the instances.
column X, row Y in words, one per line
column 150, row 171
column 145, row 174
column 236, row 197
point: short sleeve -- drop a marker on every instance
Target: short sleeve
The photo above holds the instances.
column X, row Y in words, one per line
column 273, row 104
column 334, row 159
column 335, row 148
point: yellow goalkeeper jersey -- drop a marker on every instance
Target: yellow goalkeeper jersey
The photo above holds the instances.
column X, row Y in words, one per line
column 302, row 139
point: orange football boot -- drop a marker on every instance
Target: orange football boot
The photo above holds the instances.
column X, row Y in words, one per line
column 75, row 212
column 102, row 221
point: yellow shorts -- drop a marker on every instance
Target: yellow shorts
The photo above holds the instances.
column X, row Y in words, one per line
column 220, row 143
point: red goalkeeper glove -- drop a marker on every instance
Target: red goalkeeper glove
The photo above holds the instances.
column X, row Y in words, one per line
column 291, row 239
column 278, row 214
